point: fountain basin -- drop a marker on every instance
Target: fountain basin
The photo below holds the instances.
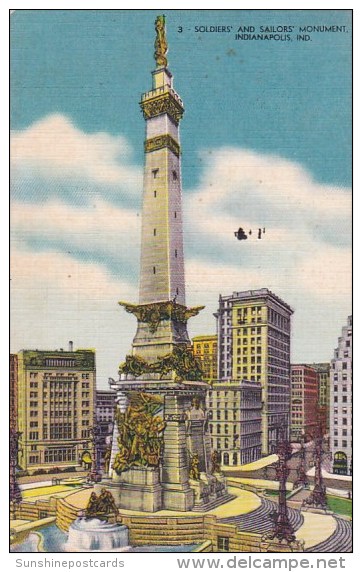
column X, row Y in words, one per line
column 95, row 535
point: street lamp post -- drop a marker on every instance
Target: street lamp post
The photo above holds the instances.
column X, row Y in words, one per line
column 302, row 479
column 95, row 433
column 15, row 493
column 317, row 499
column 283, row 529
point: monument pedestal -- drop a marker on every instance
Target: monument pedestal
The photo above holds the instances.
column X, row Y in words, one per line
column 137, row 489
column 185, row 435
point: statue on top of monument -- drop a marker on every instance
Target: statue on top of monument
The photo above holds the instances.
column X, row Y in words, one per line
column 160, row 42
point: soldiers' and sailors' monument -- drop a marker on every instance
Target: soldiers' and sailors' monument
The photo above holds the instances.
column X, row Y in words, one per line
column 161, row 456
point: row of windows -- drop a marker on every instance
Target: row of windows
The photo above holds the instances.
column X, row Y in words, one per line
column 343, row 443
column 59, row 455
column 250, row 331
column 57, row 362
column 344, row 365
column 344, row 432
column 155, row 173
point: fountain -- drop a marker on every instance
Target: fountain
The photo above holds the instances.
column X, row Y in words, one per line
column 96, row 535
column 96, row 529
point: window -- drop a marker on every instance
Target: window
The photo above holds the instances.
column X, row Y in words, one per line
column 154, row 172
column 155, row 194
column 154, row 232
column 223, row 544
column 174, row 175
column 154, row 269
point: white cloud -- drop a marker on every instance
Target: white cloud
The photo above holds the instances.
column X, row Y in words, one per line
column 308, row 225
column 54, row 148
column 232, row 174
column 100, row 227
column 55, row 299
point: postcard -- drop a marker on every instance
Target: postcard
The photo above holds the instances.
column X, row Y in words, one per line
column 181, row 323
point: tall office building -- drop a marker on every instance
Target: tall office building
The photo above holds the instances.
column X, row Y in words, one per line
column 254, row 343
column 56, row 399
column 304, row 401
column 205, row 350
column 235, row 421
column 341, row 403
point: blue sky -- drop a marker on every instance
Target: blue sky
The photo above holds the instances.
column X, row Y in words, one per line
column 266, row 141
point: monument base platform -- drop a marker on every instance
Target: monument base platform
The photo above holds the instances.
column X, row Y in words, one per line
column 180, row 499
column 137, row 489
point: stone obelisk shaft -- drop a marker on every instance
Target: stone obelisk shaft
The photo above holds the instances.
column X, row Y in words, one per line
column 162, row 259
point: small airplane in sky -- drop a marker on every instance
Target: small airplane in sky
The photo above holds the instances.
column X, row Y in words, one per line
column 241, row 235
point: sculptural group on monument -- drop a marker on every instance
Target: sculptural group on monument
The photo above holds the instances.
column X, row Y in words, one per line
column 139, row 433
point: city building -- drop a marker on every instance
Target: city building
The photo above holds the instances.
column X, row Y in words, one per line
column 254, row 343
column 205, row 350
column 235, row 421
column 341, row 403
column 304, row 401
column 56, row 398
column 13, row 391
column 105, row 407
column 323, row 370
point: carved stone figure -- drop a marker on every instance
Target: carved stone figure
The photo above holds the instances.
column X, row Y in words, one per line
column 91, row 508
column 215, row 462
column 194, row 467
column 103, row 505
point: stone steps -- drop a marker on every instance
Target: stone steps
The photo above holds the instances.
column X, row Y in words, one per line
column 259, row 520
column 339, row 541
column 213, row 504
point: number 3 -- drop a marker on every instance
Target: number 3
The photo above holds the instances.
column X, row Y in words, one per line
column 179, row 29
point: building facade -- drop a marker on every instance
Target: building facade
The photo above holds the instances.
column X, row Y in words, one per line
column 205, row 349
column 56, row 404
column 341, row 403
column 323, row 371
column 304, row 401
column 105, row 408
column 13, row 392
column 235, row 421
column 254, row 343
